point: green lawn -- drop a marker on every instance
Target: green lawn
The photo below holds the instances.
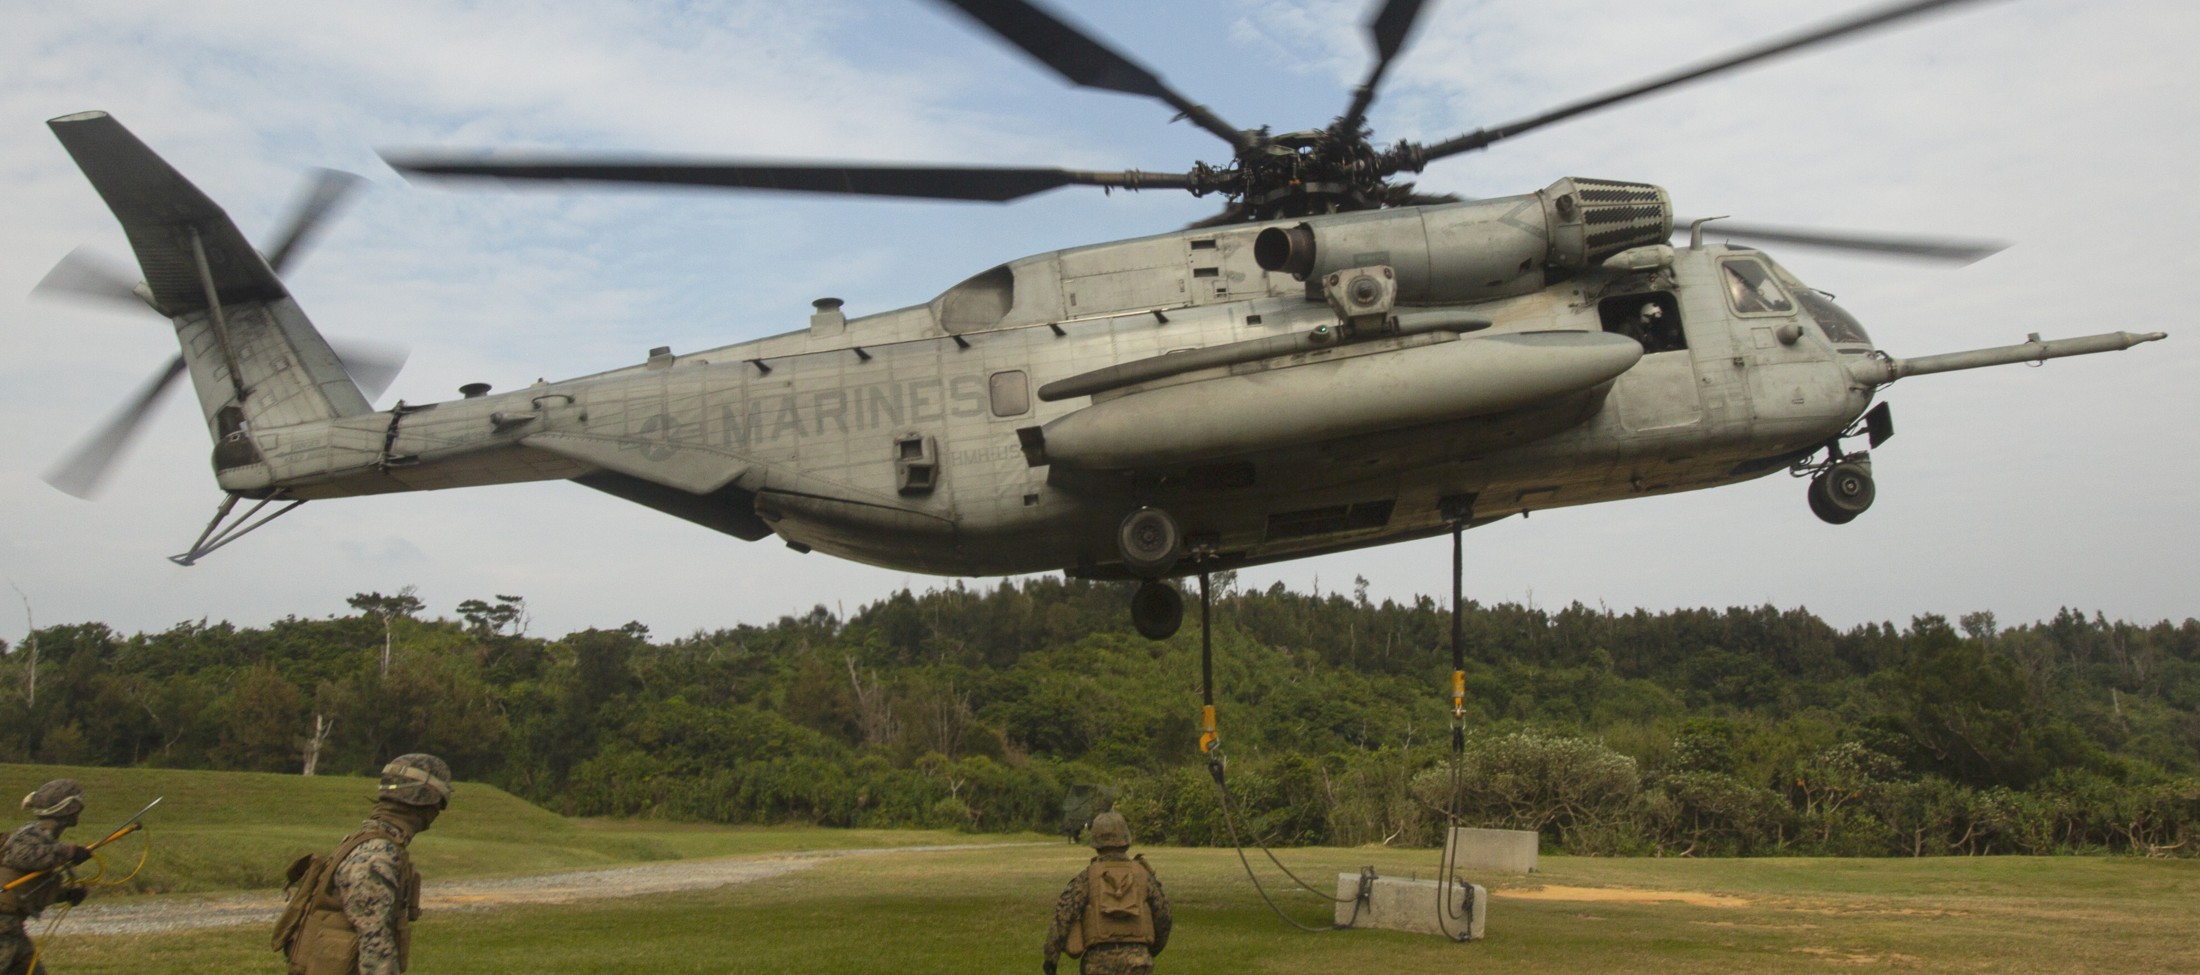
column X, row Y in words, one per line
column 986, row 911
column 237, row 830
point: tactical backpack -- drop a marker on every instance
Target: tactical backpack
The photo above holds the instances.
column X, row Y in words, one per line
column 308, row 880
column 1115, row 905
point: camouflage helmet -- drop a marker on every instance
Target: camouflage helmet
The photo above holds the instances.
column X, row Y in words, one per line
column 416, row 779
column 60, row 797
column 1110, row 832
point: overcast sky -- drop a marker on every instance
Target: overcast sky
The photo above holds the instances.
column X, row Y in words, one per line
column 2067, row 126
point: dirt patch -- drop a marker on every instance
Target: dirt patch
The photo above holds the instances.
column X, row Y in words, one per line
column 1840, row 957
column 149, row 914
column 1745, row 926
column 1620, row 895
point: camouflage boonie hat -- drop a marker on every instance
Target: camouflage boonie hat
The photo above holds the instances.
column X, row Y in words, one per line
column 1109, row 831
column 416, row 779
column 59, row 797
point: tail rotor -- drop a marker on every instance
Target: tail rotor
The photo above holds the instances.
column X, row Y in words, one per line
column 87, row 276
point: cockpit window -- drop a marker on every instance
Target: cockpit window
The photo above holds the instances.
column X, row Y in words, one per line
column 1750, row 289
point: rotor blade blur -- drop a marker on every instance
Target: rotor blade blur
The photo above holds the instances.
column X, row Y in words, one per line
column 987, row 183
column 327, row 189
column 1390, row 28
column 372, row 365
column 81, row 472
column 1937, row 249
column 1234, row 213
column 88, row 275
column 1877, row 18
column 1431, row 199
column 1085, row 61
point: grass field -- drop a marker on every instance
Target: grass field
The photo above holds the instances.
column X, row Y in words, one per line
column 986, row 911
column 237, row 830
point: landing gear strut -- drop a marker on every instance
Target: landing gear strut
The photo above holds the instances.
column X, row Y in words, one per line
column 1841, row 485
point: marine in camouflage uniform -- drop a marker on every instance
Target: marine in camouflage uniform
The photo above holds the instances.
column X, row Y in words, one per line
column 363, row 923
column 35, row 847
column 1111, row 839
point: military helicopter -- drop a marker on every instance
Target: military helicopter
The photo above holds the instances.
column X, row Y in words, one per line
column 1333, row 361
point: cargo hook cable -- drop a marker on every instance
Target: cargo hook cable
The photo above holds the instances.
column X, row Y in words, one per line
column 1210, row 744
column 1447, row 869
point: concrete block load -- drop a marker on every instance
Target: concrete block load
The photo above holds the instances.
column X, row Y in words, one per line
column 1491, row 850
column 1455, row 909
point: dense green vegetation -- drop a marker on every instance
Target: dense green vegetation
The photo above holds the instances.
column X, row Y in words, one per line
column 1744, row 731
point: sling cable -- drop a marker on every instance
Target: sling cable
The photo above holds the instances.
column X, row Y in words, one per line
column 1210, row 745
column 1453, row 895
column 1447, row 870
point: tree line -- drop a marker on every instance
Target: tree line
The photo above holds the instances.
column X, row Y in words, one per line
column 1022, row 706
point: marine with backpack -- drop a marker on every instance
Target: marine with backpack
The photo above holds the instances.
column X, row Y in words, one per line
column 351, row 912
column 1113, row 917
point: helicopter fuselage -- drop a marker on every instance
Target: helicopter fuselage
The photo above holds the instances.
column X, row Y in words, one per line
column 894, row 439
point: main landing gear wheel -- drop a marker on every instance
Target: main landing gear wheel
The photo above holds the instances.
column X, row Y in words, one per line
column 1149, row 541
column 1841, row 492
column 1157, row 610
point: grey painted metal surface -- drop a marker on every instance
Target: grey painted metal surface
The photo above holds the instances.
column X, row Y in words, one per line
column 2035, row 350
column 1405, row 385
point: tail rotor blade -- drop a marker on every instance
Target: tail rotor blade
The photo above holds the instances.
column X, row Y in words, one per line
column 324, row 193
column 90, row 276
column 372, row 365
column 81, row 472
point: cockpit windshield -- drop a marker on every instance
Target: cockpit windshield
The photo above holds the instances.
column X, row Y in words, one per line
column 1841, row 328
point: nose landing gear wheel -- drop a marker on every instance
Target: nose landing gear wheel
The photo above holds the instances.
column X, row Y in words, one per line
column 1841, row 492
column 1157, row 610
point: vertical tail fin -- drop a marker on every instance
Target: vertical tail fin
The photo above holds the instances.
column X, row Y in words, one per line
column 255, row 359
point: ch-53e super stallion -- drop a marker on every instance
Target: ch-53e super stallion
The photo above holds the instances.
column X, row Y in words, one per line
column 1334, row 361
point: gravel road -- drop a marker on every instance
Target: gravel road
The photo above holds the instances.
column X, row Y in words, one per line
column 144, row 915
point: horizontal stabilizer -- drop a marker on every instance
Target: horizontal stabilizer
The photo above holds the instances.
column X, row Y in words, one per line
column 162, row 213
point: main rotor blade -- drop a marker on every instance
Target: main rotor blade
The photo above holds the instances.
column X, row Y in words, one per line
column 1390, row 28
column 1085, row 61
column 372, row 365
column 1234, row 213
column 88, row 275
column 85, row 467
column 988, row 183
column 1877, row 18
column 1938, row 249
column 328, row 188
